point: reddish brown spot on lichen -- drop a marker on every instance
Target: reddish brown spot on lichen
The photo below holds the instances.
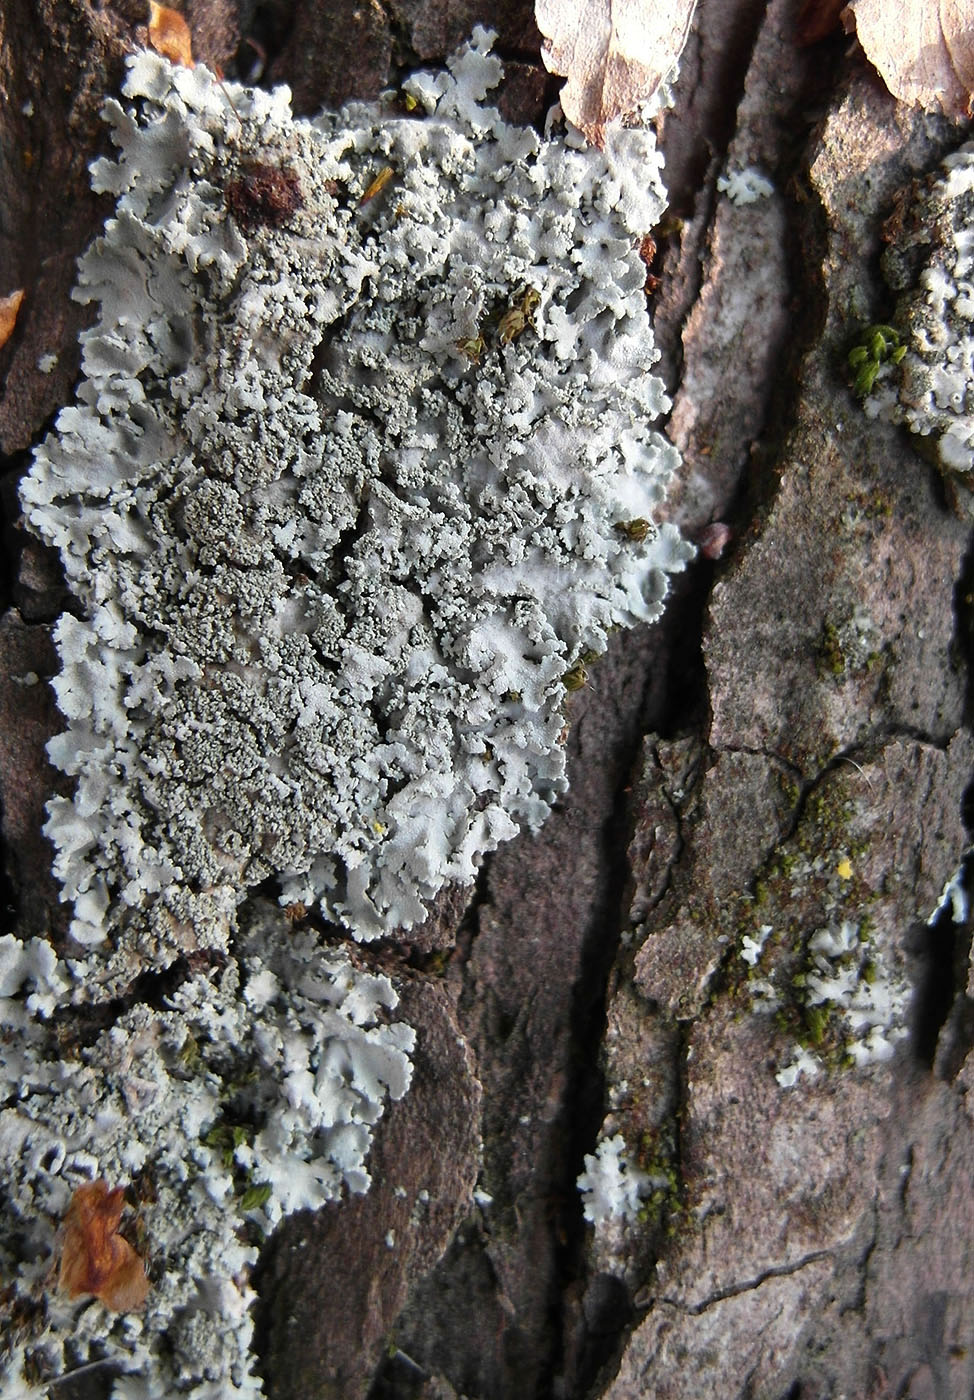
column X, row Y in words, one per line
column 264, row 194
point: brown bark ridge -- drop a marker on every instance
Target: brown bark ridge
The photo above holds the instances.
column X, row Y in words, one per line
column 786, row 752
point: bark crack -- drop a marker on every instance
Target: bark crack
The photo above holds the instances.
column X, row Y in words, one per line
column 748, row 1286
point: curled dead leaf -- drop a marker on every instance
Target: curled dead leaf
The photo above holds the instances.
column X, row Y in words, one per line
column 95, row 1258
column 9, row 306
column 614, row 53
column 169, row 34
column 922, row 49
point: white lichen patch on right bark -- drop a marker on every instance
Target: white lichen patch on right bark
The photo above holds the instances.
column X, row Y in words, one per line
column 931, row 262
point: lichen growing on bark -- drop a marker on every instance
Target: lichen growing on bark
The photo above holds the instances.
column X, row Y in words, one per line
column 340, row 500
column 930, row 262
column 350, row 487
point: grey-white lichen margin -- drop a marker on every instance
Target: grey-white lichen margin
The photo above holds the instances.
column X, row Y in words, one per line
column 250, row 1094
column 930, row 261
column 329, row 574
column 333, row 559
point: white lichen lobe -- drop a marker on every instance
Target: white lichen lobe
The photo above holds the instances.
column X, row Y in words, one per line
column 350, row 487
column 611, row 1185
column 745, row 186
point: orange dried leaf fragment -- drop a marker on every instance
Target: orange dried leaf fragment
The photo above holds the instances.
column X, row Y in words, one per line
column 169, row 34
column 94, row 1257
column 9, row 306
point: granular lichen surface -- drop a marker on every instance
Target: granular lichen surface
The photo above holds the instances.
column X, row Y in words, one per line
column 359, row 477
column 347, row 493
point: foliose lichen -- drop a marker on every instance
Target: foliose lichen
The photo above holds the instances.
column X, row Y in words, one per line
column 745, row 186
column 852, row 994
column 340, row 497
column 359, row 471
column 930, row 262
column 249, row 1093
column 611, row 1185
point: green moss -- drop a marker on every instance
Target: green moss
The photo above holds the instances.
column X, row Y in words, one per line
column 791, row 790
column 830, row 656
column 816, row 1024
column 786, row 864
column 875, row 346
column 256, row 1196
column 656, row 1156
column 224, row 1138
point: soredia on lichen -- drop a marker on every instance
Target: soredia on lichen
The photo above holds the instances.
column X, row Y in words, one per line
column 930, row 261
column 251, row 1093
column 343, row 497
column 359, row 473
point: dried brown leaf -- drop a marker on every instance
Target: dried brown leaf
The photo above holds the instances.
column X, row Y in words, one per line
column 94, row 1257
column 169, row 34
column 9, row 306
column 614, row 53
column 922, row 49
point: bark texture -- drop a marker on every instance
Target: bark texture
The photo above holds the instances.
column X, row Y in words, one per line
column 725, row 765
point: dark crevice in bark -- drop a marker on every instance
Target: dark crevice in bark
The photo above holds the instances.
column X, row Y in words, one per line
column 935, row 947
column 10, row 903
column 947, row 1015
column 674, row 701
column 10, row 546
column 264, row 30
column 11, row 542
column 706, row 112
column 585, row 1109
column 676, row 697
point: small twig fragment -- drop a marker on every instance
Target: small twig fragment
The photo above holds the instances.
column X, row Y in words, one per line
column 377, row 185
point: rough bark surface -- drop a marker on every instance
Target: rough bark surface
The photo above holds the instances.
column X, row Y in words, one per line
column 726, row 767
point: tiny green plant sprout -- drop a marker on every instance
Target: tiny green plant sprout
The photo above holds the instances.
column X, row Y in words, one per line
column 877, row 346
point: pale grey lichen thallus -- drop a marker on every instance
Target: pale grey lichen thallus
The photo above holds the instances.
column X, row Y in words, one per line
column 360, row 468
